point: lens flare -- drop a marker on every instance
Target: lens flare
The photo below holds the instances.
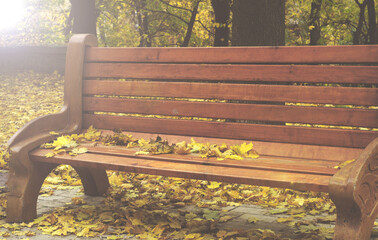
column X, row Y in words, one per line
column 11, row 13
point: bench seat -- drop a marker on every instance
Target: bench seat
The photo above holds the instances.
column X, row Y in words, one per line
column 272, row 168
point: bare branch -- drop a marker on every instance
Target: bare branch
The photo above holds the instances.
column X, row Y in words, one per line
column 204, row 27
column 177, row 7
column 168, row 13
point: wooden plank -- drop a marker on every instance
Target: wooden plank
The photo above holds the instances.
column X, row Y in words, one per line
column 271, row 133
column 135, row 164
column 252, row 92
column 299, row 54
column 333, row 155
column 264, row 163
column 218, row 72
column 274, row 113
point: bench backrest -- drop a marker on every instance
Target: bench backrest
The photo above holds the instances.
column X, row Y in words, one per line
column 248, row 93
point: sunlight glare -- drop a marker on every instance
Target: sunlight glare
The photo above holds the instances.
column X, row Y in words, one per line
column 11, row 13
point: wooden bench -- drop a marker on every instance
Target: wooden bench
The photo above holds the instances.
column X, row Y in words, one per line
column 259, row 88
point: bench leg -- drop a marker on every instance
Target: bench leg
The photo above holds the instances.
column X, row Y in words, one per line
column 351, row 223
column 354, row 190
column 95, row 181
column 24, row 184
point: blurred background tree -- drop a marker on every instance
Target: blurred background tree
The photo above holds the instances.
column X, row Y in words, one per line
column 184, row 23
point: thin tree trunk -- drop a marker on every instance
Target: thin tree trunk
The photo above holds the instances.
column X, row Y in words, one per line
column 191, row 24
column 222, row 10
column 361, row 20
column 142, row 20
column 372, row 31
column 315, row 22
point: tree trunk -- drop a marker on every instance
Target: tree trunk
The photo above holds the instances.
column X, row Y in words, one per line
column 84, row 16
column 222, row 10
column 372, row 31
column 314, row 23
column 191, row 24
column 143, row 23
column 258, row 23
column 361, row 20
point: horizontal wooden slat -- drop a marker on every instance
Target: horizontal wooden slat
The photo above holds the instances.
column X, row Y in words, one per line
column 299, row 181
column 302, row 54
column 267, row 163
column 274, row 113
column 254, row 92
column 264, row 73
column 301, row 135
column 263, row 163
column 330, row 156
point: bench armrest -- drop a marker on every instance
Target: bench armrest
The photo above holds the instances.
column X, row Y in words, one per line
column 365, row 173
column 25, row 176
column 353, row 189
column 37, row 131
column 69, row 119
column 360, row 178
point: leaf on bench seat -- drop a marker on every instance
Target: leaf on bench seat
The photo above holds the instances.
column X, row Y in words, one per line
column 79, row 150
column 71, row 144
column 343, row 164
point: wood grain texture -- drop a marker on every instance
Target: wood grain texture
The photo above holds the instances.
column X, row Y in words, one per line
column 295, row 165
column 242, row 131
column 221, row 72
column 299, row 181
column 26, row 178
column 330, row 156
column 354, row 191
column 95, row 181
column 304, row 54
column 255, row 92
column 262, row 112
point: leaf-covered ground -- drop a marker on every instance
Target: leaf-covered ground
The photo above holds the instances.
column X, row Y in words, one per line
column 150, row 207
column 23, row 97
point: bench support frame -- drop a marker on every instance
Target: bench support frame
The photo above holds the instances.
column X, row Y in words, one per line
column 354, row 191
column 26, row 177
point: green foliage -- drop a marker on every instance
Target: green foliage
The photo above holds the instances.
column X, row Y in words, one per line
column 43, row 24
column 161, row 23
column 115, row 26
column 338, row 22
column 135, row 23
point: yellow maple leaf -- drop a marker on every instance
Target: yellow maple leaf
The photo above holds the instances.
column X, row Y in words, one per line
column 50, row 154
column 285, row 219
column 214, row 185
column 234, row 194
column 64, row 142
column 141, row 153
column 140, row 203
column 343, row 164
column 77, row 151
column 92, row 134
column 245, row 148
column 78, row 201
column 234, row 157
column 193, row 236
